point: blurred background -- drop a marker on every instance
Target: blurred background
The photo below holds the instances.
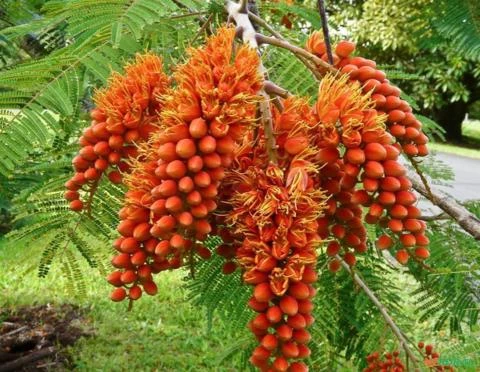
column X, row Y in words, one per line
column 55, row 53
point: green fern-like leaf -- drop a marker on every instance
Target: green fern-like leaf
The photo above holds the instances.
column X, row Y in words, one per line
column 49, row 254
column 452, row 292
column 459, row 21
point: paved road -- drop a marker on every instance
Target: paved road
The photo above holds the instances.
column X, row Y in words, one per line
column 466, row 185
column 467, row 176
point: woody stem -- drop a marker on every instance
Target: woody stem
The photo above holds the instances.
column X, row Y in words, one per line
column 239, row 13
column 388, row 319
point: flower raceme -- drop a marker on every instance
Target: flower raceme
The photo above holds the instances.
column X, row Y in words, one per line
column 174, row 183
column 124, row 116
column 392, row 362
column 402, row 123
column 277, row 219
column 271, row 233
column 376, row 126
column 326, row 148
column 197, row 165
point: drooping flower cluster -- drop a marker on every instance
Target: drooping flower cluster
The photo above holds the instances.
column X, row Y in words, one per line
column 175, row 181
column 198, row 164
column 391, row 361
column 342, row 147
column 403, row 124
column 273, row 235
column 368, row 172
column 122, row 119
column 278, row 255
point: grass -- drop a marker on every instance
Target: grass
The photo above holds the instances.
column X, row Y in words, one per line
column 471, row 130
column 471, row 133
column 162, row 333
column 454, row 149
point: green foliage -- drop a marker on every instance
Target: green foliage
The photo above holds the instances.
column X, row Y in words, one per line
column 451, row 291
column 41, row 98
column 165, row 332
column 287, row 71
column 43, row 103
column 459, row 22
column 438, row 41
column 350, row 324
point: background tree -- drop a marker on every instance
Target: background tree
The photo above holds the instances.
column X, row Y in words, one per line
column 435, row 43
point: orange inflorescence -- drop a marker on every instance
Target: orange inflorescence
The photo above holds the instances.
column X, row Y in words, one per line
column 197, row 148
column 391, row 362
column 174, row 184
column 123, row 118
column 273, row 235
column 372, row 126
column 277, row 219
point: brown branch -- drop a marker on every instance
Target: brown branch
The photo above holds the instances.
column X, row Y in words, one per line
column 15, row 331
column 239, row 13
column 266, row 116
column 243, row 7
column 203, row 28
column 388, row 319
column 201, row 19
column 468, row 221
column 260, row 22
column 274, row 90
column 416, row 166
column 437, row 217
column 326, row 34
column 318, row 63
column 16, row 364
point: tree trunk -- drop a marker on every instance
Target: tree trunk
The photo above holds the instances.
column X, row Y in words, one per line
column 450, row 117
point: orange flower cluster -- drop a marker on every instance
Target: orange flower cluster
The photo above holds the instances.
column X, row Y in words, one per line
column 174, row 184
column 342, row 147
column 122, row 119
column 431, row 357
column 273, row 217
column 196, row 148
column 391, row 362
column 403, row 124
column 367, row 172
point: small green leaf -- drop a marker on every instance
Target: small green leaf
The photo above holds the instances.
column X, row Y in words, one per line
column 116, row 34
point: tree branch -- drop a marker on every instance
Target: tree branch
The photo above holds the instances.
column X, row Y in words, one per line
column 326, row 34
column 318, row 63
column 200, row 17
column 388, row 319
column 243, row 7
column 260, row 22
column 239, row 13
column 437, row 217
column 17, row 364
column 416, row 166
column 273, row 89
